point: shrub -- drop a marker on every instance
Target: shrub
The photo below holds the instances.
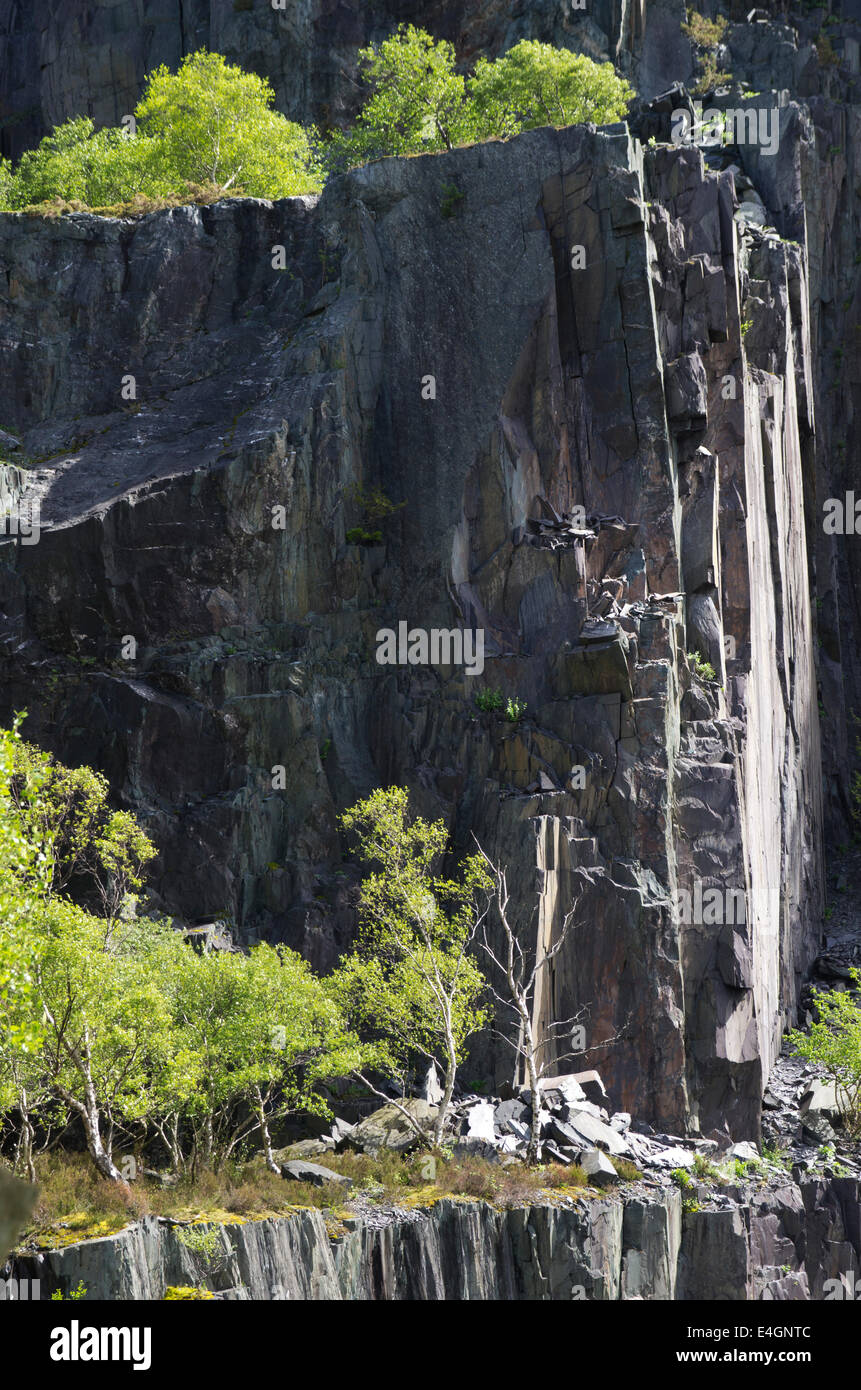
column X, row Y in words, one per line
column 833, row 1042
column 514, row 709
column 203, row 132
column 489, row 700
column 703, row 669
column 705, row 33
column 536, row 84
column 418, row 101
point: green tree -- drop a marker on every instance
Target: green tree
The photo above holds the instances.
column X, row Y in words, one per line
column 262, row 1033
column 417, row 101
column 108, row 1026
column 833, row 1042
column 21, row 1032
column 214, row 124
column 67, row 821
column 536, row 84
column 207, row 129
column 411, row 988
column 77, row 163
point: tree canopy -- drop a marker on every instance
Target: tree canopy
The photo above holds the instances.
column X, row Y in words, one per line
column 209, row 130
column 418, row 102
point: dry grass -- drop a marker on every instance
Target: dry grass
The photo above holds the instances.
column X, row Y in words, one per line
column 199, row 194
column 75, row 1203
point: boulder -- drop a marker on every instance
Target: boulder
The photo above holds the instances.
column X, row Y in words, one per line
column 388, row 1128
column 587, row 1132
column 315, row 1173
column 820, row 1098
column 303, row 1148
column 592, row 1086
column 339, row 1133
column 478, row 1123
column 512, row 1117
column 431, row 1089
column 744, row 1151
column 598, row 1168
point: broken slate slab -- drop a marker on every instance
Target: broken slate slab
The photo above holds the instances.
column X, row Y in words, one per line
column 508, row 1111
column 303, row 1148
column 315, row 1173
column 598, row 1168
column 591, row 1133
column 745, row 1151
column 568, row 1086
column 668, row 1158
column 479, row 1122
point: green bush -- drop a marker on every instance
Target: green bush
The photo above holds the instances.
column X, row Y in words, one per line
column 833, row 1042
column 206, row 131
column 701, row 668
column 418, row 102
column 489, row 700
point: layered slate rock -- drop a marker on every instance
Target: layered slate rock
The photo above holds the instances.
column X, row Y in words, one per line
column 783, row 1244
column 266, row 396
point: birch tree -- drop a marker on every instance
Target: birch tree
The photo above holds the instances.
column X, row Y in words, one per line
column 520, row 970
column 411, row 988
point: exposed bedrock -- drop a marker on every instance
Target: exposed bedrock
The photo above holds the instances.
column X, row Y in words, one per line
column 783, row 1245
column 659, row 380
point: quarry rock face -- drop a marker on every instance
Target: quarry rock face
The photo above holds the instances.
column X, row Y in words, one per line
column 791, row 1244
column 582, row 365
column 597, row 468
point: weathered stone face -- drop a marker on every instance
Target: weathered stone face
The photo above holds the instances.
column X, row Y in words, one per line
column 783, row 1244
column 670, row 385
column 259, row 390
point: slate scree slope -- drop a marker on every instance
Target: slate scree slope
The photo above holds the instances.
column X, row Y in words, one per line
column 675, row 382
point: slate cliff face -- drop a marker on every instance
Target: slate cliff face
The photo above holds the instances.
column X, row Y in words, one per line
column 783, row 1245
column 604, row 386
column 676, row 379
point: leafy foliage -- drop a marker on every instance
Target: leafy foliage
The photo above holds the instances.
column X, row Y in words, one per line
column 209, row 128
column 411, row 987
column 536, row 84
column 418, row 102
column 833, row 1042
column 706, row 33
column 701, row 668
column 111, row 1018
column 213, row 123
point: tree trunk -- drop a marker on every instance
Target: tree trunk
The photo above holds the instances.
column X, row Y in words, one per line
column 267, row 1138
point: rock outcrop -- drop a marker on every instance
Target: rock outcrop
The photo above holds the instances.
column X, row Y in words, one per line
column 781, row 1244
column 599, row 387
column 587, row 367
